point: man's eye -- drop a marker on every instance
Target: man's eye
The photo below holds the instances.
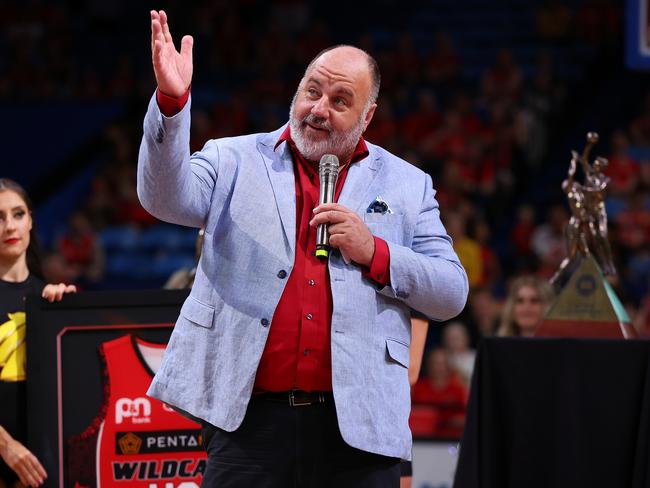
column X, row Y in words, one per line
column 312, row 92
column 340, row 101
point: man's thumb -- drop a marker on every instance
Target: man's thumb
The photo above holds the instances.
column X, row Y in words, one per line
column 186, row 46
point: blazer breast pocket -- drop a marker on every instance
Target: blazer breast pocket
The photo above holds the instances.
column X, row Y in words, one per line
column 388, row 226
column 383, row 218
column 198, row 312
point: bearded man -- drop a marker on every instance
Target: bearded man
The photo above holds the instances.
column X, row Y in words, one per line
column 297, row 366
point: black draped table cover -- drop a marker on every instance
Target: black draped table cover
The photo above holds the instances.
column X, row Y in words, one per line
column 558, row 413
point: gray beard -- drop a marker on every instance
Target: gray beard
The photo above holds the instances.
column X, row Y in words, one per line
column 340, row 144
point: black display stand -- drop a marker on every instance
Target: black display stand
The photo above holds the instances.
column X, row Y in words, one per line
column 560, row 413
column 64, row 369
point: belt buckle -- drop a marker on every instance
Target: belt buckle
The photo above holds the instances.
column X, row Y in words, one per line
column 294, row 403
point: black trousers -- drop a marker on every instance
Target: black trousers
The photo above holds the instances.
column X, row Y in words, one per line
column 279, row 446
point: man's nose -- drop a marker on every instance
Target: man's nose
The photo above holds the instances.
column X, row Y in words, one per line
column 321, row 108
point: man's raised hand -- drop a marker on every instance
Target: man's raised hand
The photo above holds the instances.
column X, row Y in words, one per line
column 173, row 69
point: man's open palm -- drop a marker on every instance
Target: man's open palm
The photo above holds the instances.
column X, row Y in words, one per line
column 173, row 69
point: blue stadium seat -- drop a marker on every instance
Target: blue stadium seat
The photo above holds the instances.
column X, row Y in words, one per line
column 119, row 238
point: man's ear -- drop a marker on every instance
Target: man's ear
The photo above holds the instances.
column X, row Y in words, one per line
column 369, row 115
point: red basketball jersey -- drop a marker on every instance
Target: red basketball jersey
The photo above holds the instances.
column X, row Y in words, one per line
column 141, row 441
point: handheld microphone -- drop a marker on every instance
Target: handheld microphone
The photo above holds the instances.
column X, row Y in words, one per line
column 328, row 172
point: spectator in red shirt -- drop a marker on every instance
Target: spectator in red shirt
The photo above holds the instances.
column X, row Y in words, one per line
column 443, row 389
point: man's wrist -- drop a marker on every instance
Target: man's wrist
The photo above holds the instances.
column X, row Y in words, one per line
column 170, row 106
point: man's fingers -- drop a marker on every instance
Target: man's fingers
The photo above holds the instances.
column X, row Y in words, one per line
column 165, row 26
column 335, row 240
column 154, row 16
column 331, row 206
column 186, row 47
column 156, row 56
column 156, row 32
column 329, row 216
column 333, row 229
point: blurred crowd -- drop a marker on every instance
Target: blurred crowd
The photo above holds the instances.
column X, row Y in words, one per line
column 485, row 138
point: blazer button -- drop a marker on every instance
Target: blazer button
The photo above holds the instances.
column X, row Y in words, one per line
column 282, row 274
column 264, row 322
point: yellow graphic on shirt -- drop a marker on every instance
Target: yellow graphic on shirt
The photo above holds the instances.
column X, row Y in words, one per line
column 13, row 349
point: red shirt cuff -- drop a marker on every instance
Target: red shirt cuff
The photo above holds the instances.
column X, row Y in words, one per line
column 170, row 106
column 379, row 270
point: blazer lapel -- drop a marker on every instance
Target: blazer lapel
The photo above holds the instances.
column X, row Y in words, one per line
column 279, row 166
column 359, row 180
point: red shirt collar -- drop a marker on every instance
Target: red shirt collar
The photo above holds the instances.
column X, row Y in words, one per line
column 360, row 152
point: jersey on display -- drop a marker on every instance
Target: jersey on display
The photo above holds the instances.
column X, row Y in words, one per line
column 135, row 441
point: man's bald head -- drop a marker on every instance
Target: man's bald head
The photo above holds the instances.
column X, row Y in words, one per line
column 354, row 54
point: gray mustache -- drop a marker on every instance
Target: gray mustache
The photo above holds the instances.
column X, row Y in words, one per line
column 317, row 122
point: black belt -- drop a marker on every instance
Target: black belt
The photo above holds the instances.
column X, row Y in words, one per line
column 296, row 398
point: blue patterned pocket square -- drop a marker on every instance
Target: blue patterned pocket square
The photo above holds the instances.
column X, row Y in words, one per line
column 379, row 206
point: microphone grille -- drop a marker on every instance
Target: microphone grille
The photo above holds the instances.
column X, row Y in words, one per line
column 329, row 165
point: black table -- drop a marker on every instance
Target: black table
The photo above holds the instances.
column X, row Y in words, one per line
column 558, row 413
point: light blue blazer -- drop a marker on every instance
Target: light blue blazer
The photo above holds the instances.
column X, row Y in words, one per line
column 242, row 191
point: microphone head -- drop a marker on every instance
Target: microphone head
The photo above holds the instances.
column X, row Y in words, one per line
column 328, row 166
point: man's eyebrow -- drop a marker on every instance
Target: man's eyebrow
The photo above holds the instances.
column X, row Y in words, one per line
column 345, row 91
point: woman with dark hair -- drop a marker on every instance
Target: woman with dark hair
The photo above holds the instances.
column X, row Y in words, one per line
column 527, row 302
column 20, row 275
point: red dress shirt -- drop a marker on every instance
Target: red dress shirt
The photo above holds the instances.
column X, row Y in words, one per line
column 298, row 352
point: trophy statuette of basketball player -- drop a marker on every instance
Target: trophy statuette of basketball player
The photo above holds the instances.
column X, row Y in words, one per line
column 586, row 304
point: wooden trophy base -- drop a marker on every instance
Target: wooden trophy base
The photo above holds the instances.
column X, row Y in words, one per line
column 569, row 328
